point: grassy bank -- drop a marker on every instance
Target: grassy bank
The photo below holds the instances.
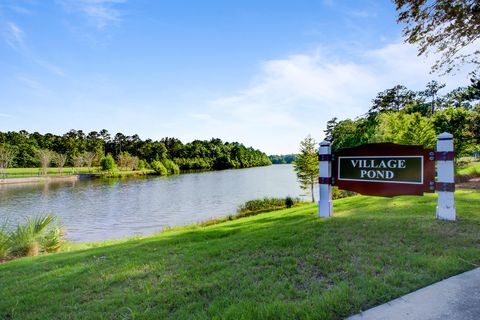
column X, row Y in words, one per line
column 32, row 172
column 465, row 173
column 52, row 172
column 282, row 264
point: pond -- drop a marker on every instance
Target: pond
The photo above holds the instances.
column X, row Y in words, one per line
column 101, row 209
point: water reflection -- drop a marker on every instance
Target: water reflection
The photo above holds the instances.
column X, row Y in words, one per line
column 101, row 209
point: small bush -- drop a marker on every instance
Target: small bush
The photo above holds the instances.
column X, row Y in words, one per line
column 289, row 202
column 4, row 245
column 159, row 167
column 171, row 166
column 37, row 235
column 339, row 194
column 463, row 161
column 142, row 164
column 266, row 204
column 108, row 163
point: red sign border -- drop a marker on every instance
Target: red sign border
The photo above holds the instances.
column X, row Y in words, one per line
column 389, row 189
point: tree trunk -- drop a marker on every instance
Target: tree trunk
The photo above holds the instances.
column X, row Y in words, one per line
column 313, row 194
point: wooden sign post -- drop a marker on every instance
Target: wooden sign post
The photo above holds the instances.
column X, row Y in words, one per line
column 387, row 169
column 325, row 204
column 446, row 182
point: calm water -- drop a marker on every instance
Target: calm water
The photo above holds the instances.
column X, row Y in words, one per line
column 100, row 209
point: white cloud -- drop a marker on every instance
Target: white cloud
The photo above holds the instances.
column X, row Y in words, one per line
column 295, row 96
column 33, row 85
column 14, row 36
column 101, row 13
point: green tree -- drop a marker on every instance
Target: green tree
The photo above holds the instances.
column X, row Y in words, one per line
column 443, row 26
column 6, row 157
column 306, row 165
column 393, row 99
column 108, row 163
column 403, row 128
column 159, row 167
column 457, row 122
column 60, row 159
column 44, row 157
column 431, row 93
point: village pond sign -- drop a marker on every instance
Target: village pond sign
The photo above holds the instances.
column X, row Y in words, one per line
column 387, row 169
column 384, row 169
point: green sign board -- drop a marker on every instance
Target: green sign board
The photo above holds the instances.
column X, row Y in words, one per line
column 389, row 169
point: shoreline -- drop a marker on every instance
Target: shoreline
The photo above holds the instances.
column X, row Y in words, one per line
column 6, row 181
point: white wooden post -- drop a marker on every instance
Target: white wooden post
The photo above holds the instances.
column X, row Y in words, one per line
column 325, row 206
column 445, row 178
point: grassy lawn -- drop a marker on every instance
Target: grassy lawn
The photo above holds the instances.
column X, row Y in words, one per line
column 286, row 264
column 472, row 169
column 126, row 173
column 20, row 172
column 51, row 172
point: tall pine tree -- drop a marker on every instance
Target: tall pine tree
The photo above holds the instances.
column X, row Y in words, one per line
column 306, row 165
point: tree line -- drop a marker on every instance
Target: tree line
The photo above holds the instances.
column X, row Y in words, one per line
column 403, row 116
column 76, row 148
column 282, row 159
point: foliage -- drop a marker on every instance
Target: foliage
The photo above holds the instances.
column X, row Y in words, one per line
column 196, row 155
column 415, row 121
column 455, row 121
column 35, row 236
column 6, row 157
column 394, row 99
column 340, row 194
column 285, row 264
column 289, row 202
column 306, row 165
column 108, row 163
column 443, row 26
column 142, row 164
column 53, row 240
column 44, row 157
column 266, row 204
column 159, row 167
column 127, row 161
column 88, row 157
column 4, row 243
column 59, row 160
column 402, row 128
column 172, row 167
column 282, row 159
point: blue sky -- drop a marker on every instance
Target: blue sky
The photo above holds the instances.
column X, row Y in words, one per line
column 264, row 73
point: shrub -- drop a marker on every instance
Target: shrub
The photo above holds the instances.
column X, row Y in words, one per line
column 108, row 163
column 4, row 245
column 266, row 204
column 159, row 167
column 339, row 194
column 171, row 166
column 35, row 236
column 289, row 202
column 53, row 240
column 142, row 164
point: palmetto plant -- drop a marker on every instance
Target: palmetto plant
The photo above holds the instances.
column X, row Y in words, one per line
column 4, row 243
column 35, row 236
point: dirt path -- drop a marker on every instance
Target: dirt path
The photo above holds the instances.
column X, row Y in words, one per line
column 473, row 183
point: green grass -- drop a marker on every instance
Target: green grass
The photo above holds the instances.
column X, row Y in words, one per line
column 52, row 172
column 286, row 264
column 24, row 172
column 472, row 169
column 127, row 173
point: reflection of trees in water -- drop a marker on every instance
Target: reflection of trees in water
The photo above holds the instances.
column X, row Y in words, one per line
column 11, row 190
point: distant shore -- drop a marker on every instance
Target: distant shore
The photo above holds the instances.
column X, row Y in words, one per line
column 44, row 179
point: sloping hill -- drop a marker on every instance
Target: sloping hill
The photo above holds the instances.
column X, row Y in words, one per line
column 283, row 264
